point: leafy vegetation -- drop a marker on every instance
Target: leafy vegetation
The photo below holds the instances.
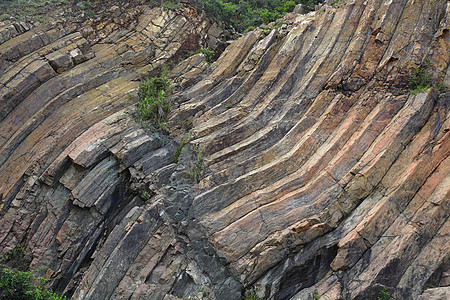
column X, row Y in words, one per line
column 18, row 9
column 179, row 149
column 31, row 10
column 15, row 258
column 168, row 4
column 87, row 8
column 384, row 295
column 338, row 2
column 242, row 14
column 17, row 283
column 146, row 196
column 421, row 79
column 210, row 55
column 251, row 296
column 239, row 14
column 44, row 10
column 153, row 106
column 195, row 170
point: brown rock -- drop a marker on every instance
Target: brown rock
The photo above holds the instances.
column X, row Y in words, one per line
column 321, row 173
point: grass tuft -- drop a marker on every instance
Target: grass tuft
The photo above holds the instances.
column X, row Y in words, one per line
column 421, row 79
column 153, row 106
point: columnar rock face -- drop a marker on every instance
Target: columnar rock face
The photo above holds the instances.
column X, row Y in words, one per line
column 322, row 174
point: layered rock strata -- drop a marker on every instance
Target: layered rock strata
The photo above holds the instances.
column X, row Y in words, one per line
column 75, row 163
column 321, row 173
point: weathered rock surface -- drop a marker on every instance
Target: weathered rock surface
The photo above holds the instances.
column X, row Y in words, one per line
column 322, row 175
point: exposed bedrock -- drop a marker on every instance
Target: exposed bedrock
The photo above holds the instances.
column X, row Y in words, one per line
column 323, row 175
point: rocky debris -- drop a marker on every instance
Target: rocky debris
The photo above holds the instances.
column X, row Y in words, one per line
column 321, row 173
column 12, row 29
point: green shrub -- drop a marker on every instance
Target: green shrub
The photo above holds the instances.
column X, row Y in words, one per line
column 18, row 285
column 338, row 2
column 15, row 259
column 251, row 296
column 86, row 5
column 421, row 79
column 279, row 23
column 440, row 87
column 267, row 16
column 179, row 149
column 168, row 4
column 209, row 55
column 241, row 14
column 289, row 6
column 195, row 170
column 174, row 4
column 87, row 8
column 146, row 196
column 4, row 17
column 384, row 294
column 249, row 28
column 266, row 31
column 153, row 106
column 153, row 86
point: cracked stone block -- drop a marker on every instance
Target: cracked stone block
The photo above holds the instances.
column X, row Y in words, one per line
column 77, row 56
column 60, row 62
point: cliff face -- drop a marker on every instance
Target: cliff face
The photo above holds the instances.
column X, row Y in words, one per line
column 322, row 174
